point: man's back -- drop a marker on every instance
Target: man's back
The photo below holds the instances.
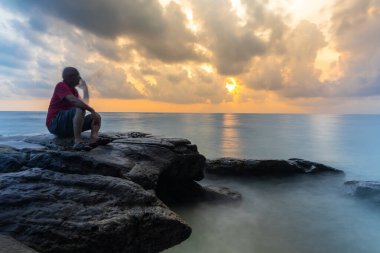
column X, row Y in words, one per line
column 58, row 102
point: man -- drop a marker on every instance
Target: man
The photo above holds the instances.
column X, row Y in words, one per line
column 66, row 113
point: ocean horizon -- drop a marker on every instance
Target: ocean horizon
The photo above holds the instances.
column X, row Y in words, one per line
column 295, row 214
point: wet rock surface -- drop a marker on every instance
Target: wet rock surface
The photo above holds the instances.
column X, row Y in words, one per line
column 188, row 192
column 11, row 159
column 367, row 190
column 247, row 167
column 113, row 198
column 54, row 199
column 10, row 245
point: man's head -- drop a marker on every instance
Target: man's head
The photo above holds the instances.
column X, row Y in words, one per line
column 71, row 76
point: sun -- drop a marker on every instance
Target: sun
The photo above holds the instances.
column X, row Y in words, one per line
column 231, row 84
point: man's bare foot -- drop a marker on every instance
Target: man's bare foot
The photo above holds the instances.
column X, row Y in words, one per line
column 82, row 146
column 78, row 140
column 100, row 141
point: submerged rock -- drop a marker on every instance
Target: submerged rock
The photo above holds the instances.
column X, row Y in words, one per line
column 244, row 168
column 54, row 199
column 221, row 194
column 369, row 190
column 192, row 192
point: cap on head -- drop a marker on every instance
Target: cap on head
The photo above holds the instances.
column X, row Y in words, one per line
column 69, row 72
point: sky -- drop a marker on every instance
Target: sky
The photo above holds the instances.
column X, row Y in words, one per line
column 228, row 56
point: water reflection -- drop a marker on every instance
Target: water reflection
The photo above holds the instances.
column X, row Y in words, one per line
column 325, row 136
column 230, row 136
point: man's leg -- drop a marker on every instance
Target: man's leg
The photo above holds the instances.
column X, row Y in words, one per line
column 78, row 124
column 95, row 127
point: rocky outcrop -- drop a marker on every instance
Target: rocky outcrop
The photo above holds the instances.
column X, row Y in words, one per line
column 369, row 190
column 60, row 212
column 54, row 199
column 247, row 168
column 113, row 198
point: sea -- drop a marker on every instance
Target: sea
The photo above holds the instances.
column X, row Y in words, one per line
column 300, row 214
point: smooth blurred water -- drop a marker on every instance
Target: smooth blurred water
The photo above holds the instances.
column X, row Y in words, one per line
column 300, row 214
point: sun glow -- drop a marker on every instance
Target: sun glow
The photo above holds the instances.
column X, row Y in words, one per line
column 231, row 84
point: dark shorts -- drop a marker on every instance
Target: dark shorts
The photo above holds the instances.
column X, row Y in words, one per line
column 62, row 124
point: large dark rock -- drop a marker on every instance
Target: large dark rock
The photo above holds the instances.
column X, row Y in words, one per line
column 246, row 168
column 54, row 199
column 188, row 192
column 369, row 190
column 10, row 159
column 60, row 212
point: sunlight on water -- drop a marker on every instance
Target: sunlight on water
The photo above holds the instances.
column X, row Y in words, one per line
column 325, row 137
column 230, row 138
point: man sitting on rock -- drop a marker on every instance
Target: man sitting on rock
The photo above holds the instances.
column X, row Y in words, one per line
column 66, row 115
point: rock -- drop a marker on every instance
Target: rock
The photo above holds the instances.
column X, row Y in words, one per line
column 55, row 143
column 10, row 245
column 143, row 160
column 221, row 194
column 369, row 190
column 243, row 168
column 21, row 145
column 105, row 200
column 11, row 159
column 191, row 192
column 110, row 199
column 59, row 212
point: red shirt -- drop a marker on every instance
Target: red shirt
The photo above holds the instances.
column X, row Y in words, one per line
column 58, row 103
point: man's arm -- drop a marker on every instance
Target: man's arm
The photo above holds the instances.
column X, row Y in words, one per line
column 80, row 104
column 83, row 86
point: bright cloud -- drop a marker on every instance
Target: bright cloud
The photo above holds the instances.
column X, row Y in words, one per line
column 182, row 51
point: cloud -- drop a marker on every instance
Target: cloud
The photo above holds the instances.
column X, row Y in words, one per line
column 33, row 60
column 108, row 19
column 290, row 71
column 156, row 32
column 349, row 14
column 13, row 55
column 110, row 82
column 183, row 84
column 355, row 32
column 231, row 44
column 142, row 49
